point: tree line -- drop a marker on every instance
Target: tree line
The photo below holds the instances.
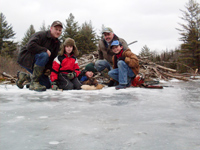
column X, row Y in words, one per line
column 188, row 53
column 185, row 58
column 84, row 35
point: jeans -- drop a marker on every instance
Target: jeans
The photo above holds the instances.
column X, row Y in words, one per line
column 100, row 65
column 122, row 74
column 41, row 59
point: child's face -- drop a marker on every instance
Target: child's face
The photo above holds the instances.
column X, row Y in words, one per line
column 89, row 74
column 68, row 49
column 116, row 49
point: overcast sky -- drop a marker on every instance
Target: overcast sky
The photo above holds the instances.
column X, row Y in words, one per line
column 150, row 22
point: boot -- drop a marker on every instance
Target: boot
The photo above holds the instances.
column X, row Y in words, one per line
column 22, row 77
column 35, row 85
column 28, row 85
column 120, row 86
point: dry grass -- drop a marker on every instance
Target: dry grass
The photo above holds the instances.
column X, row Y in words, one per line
column 10, row 66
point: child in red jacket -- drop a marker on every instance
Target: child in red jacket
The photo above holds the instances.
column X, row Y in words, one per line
column 65, row 69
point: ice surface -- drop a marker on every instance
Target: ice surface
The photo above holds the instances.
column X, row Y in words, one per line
column 107, row 119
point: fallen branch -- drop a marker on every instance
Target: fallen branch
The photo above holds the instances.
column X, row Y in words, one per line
column 176, row 77
column 9, row 77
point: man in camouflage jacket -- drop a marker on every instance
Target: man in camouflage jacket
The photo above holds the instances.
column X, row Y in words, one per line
column 105, row 52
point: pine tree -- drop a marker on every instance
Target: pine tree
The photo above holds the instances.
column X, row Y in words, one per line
column 145, row 52
column 43, row 27
column 7, row 46
column 88, row 38
column 27, row 35
column 71, row 29
column 190, row 32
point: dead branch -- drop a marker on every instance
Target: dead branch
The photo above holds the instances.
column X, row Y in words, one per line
column 165, row 68
column 176, row 77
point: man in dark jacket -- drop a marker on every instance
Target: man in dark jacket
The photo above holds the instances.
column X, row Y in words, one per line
column 37, row 57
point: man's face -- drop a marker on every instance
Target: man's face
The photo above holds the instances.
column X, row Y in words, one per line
column 116, row 49
column 108, row 36
column 56, row 31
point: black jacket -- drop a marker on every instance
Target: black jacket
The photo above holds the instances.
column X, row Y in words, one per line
column 39, row 42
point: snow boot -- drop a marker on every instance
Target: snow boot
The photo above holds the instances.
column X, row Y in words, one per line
column 22, row 77
column 35, row 85
column 121, row 86
column 28, row 85
column 111, row 83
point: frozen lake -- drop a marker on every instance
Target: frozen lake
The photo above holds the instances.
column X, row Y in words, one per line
column 107, row 119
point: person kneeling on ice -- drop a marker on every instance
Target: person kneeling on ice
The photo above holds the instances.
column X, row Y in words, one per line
column 87, row 74
column 65, row 68
column 86, row 77
column 125, row 65
column 37, row 57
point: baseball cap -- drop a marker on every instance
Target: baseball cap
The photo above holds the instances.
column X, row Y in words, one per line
column 107, row 30
column 56, row 23
column 115, row 43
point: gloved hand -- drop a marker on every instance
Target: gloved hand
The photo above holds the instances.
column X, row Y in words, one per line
column 54, row 85
column 71, row 75
column 47, row 72
column 54, row 82
column 121, row 58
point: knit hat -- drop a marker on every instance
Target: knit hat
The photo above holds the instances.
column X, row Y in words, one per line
column 70, row 42
column 90, row 67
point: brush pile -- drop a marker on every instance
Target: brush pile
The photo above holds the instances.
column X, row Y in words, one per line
column 152, row 70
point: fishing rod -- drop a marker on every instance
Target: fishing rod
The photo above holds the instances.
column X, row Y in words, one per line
column 132, row 42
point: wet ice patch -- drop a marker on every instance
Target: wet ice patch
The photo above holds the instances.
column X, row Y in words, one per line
column 175, row 80
column 43, row 117
column 54, row 143
column 20, row 117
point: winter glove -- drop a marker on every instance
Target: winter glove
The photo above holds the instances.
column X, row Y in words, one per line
column 47, row 72
column 71, row 75
column 54, row 85
column 54, row 82
column 121, row 58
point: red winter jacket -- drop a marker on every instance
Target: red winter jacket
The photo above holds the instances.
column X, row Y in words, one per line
column 64, row 64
